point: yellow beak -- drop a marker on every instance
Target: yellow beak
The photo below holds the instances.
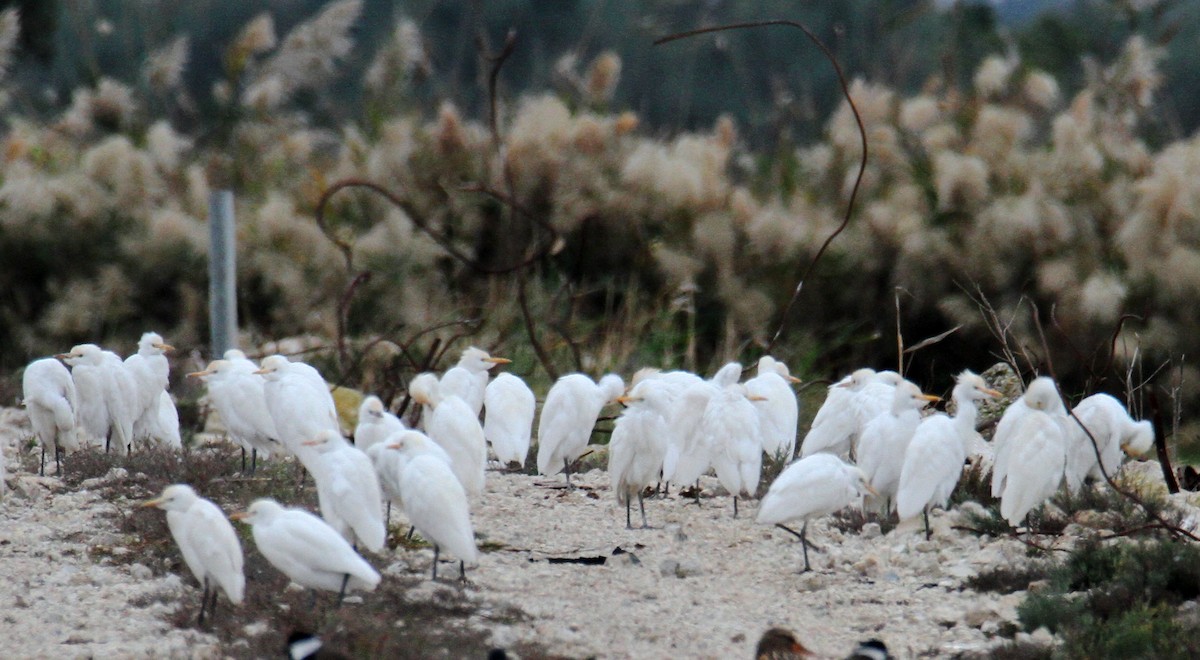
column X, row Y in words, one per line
column 164, row 347
column 793, row 379
column 198, row 374
column 991, row 393
column 497, row 360
column 240, row 515
column 932, row 398
column 756, row 397
column 149, row 503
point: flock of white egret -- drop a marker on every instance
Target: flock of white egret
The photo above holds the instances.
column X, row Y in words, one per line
column 870, row 438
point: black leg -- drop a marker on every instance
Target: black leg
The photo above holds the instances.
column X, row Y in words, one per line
column 253, row 461
column 203, row 603
column 57, row 464
column 212, row 608
column 804, row 542
column 642, row 506
column 388, row 520
column 42, row 467
column 411, row 529
column 342, row 592
column 243, row 460
column 567, row 471
column 628, row 504
column 436, row 552
column 462, row 570
column 928, row 532
column 735, row 506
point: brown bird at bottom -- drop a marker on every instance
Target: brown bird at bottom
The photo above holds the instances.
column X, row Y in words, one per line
column 780, row 644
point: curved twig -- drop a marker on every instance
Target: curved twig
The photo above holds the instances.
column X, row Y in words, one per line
column 862, row 131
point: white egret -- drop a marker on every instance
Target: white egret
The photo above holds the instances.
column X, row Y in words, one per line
column 160, row 425
column 1037, row 452
column 453, row 426
column 469, row 377
column 389, row 465
column 508, row 422
column 638, row 444
column 838, row 418
column 886, row 437
column 778, row 410
column 810, row 488
column 730, row 429
column 1115, row 432
column 106, row 391
column 306, row 549
column 572, row 406
column 1003, row 435
column 348, row 490
column 151, row 372
column 688, row 454
column 422, row 387
column 435, row 502
column 375, row 423
column 209, row 546
column 934, row 460
column 300, row 404
column 238, row 396
column 49, row 399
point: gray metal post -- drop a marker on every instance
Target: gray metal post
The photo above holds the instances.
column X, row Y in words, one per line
column 222, row 272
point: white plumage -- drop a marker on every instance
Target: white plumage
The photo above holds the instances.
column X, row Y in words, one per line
column 508, row 420
column 810, row 488
column 935, row 456
column 151, row 374
column 885, row 439
column 106, row 393
column 306, row 549
column 638, row 443
column 160, row 425
column 300, row 404
column 688, row 453
column 469, row 377
column 434, row 501
column 730, row 428
column 778, row 410
column 348, row 490
column 572, row 406
column 1037, row 452
column 375, row 423
column 453, row 426
column 389, row 465
column 1115, row 432
column 49, row 399
column 841, row 415
column 238, row 396
column 209, row 546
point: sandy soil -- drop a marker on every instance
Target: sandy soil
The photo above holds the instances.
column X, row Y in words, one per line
column 700, row 584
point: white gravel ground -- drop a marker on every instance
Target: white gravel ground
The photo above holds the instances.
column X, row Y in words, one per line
column 700, row 584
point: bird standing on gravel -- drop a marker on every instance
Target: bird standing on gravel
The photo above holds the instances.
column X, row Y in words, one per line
column 209, row 546
column 731, row 431
column 1037, row 453
column 237, row 395
column 106, row 392
column 886, row 438
column 306, row 549
column 50, row 401
column 348, row 490
column 508, row 422
column 810, row 488
column 638, row 444
column 435, row 502
column 572, row 406
column 155, row 417
column 934, row 460
column 688, row 456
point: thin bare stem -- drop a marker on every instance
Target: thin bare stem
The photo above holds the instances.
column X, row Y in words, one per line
column 862, row 131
